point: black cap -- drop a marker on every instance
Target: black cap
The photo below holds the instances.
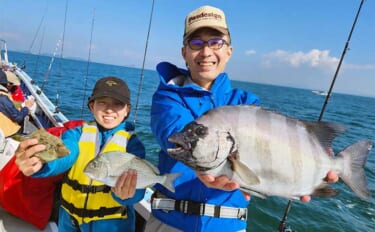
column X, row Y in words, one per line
column 3, row 77
column 111, row 87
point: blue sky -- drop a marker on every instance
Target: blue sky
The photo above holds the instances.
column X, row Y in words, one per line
column 295, row 43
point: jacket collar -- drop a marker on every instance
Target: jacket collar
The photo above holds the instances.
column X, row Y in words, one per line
column 173, row 77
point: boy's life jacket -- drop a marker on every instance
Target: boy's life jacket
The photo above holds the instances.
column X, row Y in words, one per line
column 85, row 199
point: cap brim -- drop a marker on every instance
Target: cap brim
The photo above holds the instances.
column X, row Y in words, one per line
column 111, row 95
column 223, row 31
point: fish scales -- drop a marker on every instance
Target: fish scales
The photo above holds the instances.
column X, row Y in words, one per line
column 267, row 126
column 275, row 126
column 294, row 141
column 270, row 154
column 109, row 166
column 305, row 147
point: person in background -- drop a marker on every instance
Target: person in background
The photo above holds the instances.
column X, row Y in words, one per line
column 89, row 205
column 11, row 118
column 16, row 91
column 200, row 202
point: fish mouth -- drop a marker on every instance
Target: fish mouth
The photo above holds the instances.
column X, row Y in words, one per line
column 183, row 152
column 182, row 147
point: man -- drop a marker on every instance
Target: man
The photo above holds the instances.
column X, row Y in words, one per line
column 200, row 202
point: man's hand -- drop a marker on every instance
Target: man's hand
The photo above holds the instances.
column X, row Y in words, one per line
column 331, row 177
column 224, row 183
column 220, row 182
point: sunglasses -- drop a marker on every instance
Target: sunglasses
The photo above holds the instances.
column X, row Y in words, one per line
column 198, row 44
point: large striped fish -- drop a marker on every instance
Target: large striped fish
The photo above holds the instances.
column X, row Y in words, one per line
column 270, row 154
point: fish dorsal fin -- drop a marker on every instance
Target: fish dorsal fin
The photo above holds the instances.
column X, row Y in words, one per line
column 243, row 171
column 154, row 169
column 325, row 132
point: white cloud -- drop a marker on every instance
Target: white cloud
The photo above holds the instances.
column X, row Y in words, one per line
column 250, row 52
column 314, row 58
column 10, row 35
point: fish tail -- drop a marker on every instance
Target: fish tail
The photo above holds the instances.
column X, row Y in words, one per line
column 355, row 157
column 168, row 181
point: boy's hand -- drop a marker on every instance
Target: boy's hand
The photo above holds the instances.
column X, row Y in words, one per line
column 26, row 160
column 126, row 185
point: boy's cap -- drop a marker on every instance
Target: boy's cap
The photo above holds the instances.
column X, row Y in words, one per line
column 3, row 77
column 205, row 16
column 111, row 87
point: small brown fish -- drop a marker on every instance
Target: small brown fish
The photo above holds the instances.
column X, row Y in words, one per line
column 55, row 148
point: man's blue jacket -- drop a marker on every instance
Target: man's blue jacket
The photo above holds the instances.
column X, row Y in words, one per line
column 175, row 104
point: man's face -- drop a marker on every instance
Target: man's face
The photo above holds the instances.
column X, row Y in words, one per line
column 206, row 63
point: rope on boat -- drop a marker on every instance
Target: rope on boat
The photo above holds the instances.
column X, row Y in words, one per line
column 37, row 31
column 35, row 36
column 143, row 66
column 88, row 65
column 282, row 225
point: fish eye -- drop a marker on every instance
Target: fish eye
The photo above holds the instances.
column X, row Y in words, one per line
column 201, row 130
column 95, row 164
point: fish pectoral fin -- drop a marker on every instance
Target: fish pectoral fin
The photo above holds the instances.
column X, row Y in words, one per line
column 324, row 190
column 253, row 193
column 243, row 172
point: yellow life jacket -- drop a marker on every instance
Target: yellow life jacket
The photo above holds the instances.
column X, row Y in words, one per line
column 85, row 199
column 6, row 124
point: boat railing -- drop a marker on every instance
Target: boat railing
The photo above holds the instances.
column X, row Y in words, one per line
column 56, row 117
column 44, row 105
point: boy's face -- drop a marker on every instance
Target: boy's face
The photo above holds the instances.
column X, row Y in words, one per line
column 109, row 112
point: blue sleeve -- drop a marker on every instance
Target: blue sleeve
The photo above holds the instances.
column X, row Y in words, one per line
column 244, row 97
column 13, row 113
column 136, row 147
column 139, row 194
column 61, row 165
column 168, row 115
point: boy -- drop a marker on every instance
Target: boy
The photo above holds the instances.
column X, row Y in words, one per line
column 89, row 205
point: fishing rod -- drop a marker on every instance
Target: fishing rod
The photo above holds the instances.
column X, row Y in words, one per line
column 39, row 52
column 88, row 64
column 282, row 225
column 61, row 58
column 50, row 66
column 143, row 65
column 340, row 62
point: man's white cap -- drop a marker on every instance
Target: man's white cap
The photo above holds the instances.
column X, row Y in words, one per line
column 205, row 16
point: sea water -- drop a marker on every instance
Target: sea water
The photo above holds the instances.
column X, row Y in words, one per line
column 69, row 83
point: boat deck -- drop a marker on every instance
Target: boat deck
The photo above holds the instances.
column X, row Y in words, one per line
column 10, row 223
